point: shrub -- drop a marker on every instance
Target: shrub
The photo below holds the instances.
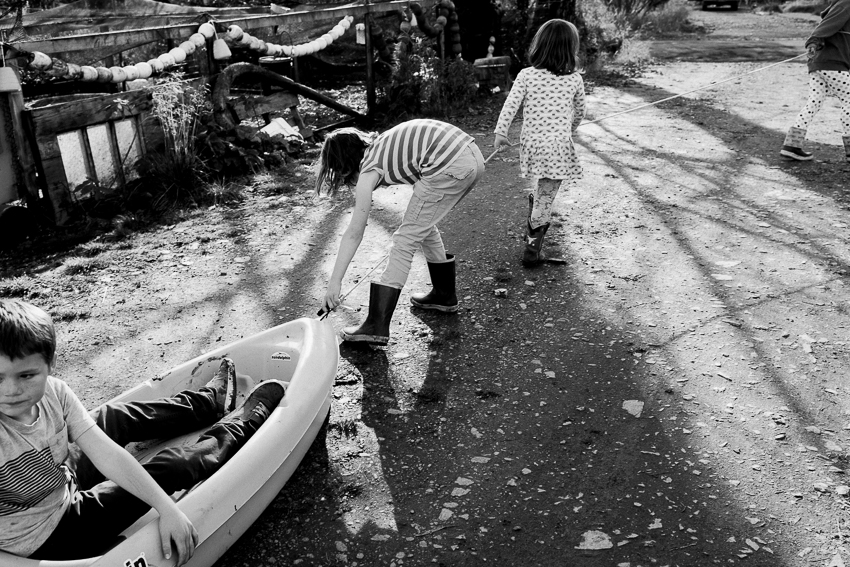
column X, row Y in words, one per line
column 664, row 21
column 422, row 84
column 805, row 6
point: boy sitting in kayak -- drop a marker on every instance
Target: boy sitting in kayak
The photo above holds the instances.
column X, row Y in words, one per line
column 59, row 505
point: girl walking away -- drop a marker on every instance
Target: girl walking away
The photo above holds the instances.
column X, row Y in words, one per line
column 552, row 93
column 829, row 75
column 443, row 163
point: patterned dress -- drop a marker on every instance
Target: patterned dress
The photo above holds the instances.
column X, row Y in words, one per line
column 553, row 108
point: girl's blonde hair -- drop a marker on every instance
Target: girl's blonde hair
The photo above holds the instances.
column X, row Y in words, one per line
column 339, row 162
column 555, row 47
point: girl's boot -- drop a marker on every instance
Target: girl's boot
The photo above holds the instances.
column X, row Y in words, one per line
column 443, row 295
column 532, row 256
column 375, row 329
column 793, row 146
column 846, row 140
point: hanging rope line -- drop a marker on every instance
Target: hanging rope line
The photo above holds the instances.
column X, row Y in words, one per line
column 710, row 85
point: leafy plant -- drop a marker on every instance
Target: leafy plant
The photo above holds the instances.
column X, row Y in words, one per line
column 422, row 84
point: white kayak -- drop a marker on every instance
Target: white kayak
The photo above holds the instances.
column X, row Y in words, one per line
column 302, row 353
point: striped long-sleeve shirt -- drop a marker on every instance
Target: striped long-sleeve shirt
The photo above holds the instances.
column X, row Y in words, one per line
column 413, row 150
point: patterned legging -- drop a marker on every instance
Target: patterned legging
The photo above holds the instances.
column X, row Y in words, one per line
column 545, row 191
column 821, row 85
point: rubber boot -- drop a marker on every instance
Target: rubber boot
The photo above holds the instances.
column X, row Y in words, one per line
column 531, row 255
column 793, row 145
column 375, row 329
column 443, row 295
column 846, row 140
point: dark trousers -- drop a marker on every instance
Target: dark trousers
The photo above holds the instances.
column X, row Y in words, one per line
column 100, row 509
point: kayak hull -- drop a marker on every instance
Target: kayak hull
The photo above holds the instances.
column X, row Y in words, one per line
column 304, row 354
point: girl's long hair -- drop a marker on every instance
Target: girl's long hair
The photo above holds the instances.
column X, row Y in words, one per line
column 339, row 162
column 555, row 47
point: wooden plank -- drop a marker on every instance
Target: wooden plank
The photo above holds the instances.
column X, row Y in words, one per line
column 55, row 118
column 57, row 187
column 247, row 106
column 106, row 40
column 121, row 38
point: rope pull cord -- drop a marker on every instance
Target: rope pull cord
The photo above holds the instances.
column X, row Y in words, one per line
column 714, row 84
column 322, row 313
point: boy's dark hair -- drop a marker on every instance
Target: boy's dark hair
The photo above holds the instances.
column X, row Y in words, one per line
column 339, row 162
column 555, row 47
column 25, row 330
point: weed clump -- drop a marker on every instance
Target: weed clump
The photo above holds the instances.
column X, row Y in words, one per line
column 76, row 265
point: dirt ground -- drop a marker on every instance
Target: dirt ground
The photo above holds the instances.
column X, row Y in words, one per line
column 675, row 394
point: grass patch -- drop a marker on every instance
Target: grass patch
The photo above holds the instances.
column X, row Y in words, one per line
column 65, row 315
column 225, row 192
column 77, row 265
column 90, row 250
column 16, row 287
column 346, row 427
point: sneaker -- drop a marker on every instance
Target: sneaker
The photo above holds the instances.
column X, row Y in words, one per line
column 224, row 381
column 260, row 402
column 795, row 153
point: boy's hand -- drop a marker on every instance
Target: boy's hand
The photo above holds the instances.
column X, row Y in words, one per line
column 501, row 142
column 175, row 527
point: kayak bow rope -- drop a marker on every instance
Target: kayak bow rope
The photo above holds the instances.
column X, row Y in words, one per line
column 322, row 313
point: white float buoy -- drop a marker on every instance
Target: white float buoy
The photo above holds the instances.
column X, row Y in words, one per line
column 131, row 72
column 118, row 74
column 40, row 61
column 89, row 73
column 167, row 60
column 207, row 30
column 220, row 50
column 156, row 64
column 234, row 33
column 178, row 54
column 145, row 69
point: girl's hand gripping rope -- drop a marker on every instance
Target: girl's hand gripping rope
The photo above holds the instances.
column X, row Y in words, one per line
column 500, row 143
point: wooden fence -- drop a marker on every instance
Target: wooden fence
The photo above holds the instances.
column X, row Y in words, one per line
column 67, row 141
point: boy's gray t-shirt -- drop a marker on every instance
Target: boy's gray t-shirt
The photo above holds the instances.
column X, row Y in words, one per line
column 34, row 486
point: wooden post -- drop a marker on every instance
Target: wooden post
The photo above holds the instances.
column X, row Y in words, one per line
column 27, row 182
column 370, row 72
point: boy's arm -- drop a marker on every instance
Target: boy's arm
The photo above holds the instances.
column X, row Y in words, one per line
column 120, row 467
